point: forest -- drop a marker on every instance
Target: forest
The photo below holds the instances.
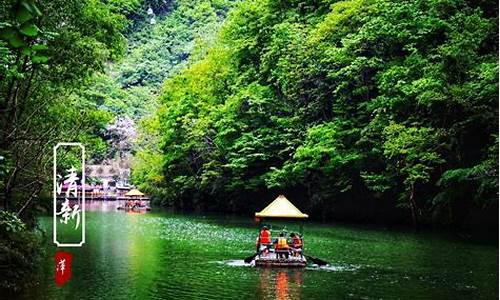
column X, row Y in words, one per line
column 365, row 111
column 359, row 110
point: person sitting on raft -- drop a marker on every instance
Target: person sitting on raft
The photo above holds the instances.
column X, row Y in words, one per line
column 264, row 240
column 296, row 243
column 281, row 246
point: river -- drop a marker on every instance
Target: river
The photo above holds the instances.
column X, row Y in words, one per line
column 160, row 255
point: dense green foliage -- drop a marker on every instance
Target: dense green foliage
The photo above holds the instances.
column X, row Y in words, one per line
column 49, row 52
column 58, row 84
column 162, row 37
column 356, row 109
column 20, row 253
column 157, row 52
column 46, row 63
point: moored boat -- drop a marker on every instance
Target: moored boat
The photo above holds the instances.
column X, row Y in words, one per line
column 136, row 201
column 135, row 208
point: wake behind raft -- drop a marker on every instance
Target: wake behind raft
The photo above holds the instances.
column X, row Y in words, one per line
column 286, row 250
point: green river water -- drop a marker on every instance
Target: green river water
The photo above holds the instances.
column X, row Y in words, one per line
column 159, row 255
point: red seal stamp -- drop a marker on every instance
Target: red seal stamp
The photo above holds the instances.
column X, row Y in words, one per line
column 63, row 267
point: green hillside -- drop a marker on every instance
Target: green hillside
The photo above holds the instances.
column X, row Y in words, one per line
column 359, row 110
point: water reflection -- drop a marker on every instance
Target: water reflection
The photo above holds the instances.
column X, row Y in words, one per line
column 280, row 284
column 159, row 255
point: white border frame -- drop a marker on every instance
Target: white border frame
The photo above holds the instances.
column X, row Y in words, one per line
column 54, row 234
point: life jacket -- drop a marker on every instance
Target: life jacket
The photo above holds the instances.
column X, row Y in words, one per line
column 297, row 242
column 282, row 244
column 265, row 237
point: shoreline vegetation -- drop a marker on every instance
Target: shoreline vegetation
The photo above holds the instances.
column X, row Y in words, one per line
column 359, row 111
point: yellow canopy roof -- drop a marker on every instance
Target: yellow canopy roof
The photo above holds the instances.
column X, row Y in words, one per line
column 134, row 192
column 281, row 208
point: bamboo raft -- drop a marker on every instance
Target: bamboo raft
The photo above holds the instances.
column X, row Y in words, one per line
column 270, row 260
column 280, row 209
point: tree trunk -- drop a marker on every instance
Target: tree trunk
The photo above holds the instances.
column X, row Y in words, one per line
column 413, row 208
